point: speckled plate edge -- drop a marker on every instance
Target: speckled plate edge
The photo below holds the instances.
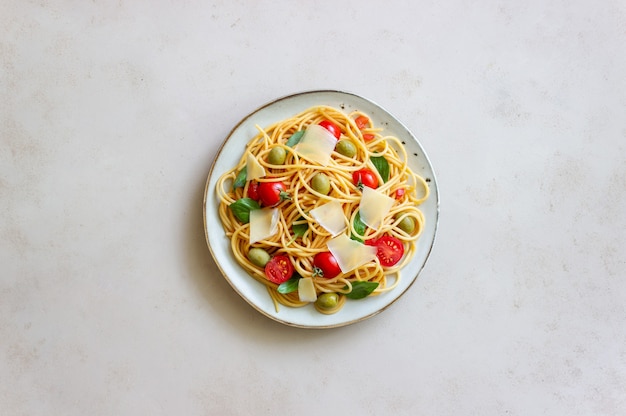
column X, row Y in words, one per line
column 228, row 155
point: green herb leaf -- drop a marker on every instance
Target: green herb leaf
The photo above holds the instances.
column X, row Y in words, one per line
column 382, row 166
column 299, row 229
column 295, row 138
column 290, row 285
column 361, row 290
column 359, row 227
column 240, row 180
column 241, row 208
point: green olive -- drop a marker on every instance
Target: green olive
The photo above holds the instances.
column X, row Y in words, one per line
column 407, row 224
column 258, row 256
column 327, row 301
column 277, row 156
column 320, row 183
column 346, row 147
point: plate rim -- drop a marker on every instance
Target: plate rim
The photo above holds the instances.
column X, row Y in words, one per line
column 206, row 194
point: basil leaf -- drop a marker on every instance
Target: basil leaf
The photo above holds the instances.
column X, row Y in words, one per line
column 299, row 229
column 382, row 166
column 290, row 285
column 361, row 290
column 240, row 180
column 359, row 227
column 241, row 208
column 295, row 138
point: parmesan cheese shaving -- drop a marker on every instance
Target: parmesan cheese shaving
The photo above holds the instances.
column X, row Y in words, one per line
column 306, row 290
column 263, row 223
column 374, row 207
column 331, row 217
column 350, row 254
column 254, row 170
column 317, row 144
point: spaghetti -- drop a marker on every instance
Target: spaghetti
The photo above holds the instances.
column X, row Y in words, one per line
column 299, row 238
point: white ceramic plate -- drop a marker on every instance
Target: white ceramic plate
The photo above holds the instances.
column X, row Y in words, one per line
column 228, row 155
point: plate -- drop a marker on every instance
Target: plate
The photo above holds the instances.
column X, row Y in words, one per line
column 228, row 156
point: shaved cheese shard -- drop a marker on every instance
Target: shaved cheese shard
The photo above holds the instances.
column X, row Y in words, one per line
column 349, row 253
column 263, row 223
column 374, row 207
column 331, row 217
column 316, row 144
column 306, row 290
column 254, row 170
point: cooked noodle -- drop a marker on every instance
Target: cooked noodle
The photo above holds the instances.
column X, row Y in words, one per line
column 296, row 173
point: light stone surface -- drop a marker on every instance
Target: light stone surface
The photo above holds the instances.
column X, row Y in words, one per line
column 111, row 115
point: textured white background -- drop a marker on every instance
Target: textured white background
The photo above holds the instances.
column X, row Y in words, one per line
column 111, row 115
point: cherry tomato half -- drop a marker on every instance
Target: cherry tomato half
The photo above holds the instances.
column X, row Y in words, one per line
column 271, row 193
column 365, row 177
column 253, row 190
column 368, row 137
column 400, row 193
column 389, row 250
column 362, row 122
column 331, row 127
column 279, row 269
column 327, row 265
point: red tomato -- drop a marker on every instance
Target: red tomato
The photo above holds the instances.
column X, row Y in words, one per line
column 331, row 127
column 327, row 265
column 279, row 269
column 362, row 122
column 365, row 177
column 400, row 193
column 253, row 190
column 389, row 250
column 368, row 137
column 271, row 193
